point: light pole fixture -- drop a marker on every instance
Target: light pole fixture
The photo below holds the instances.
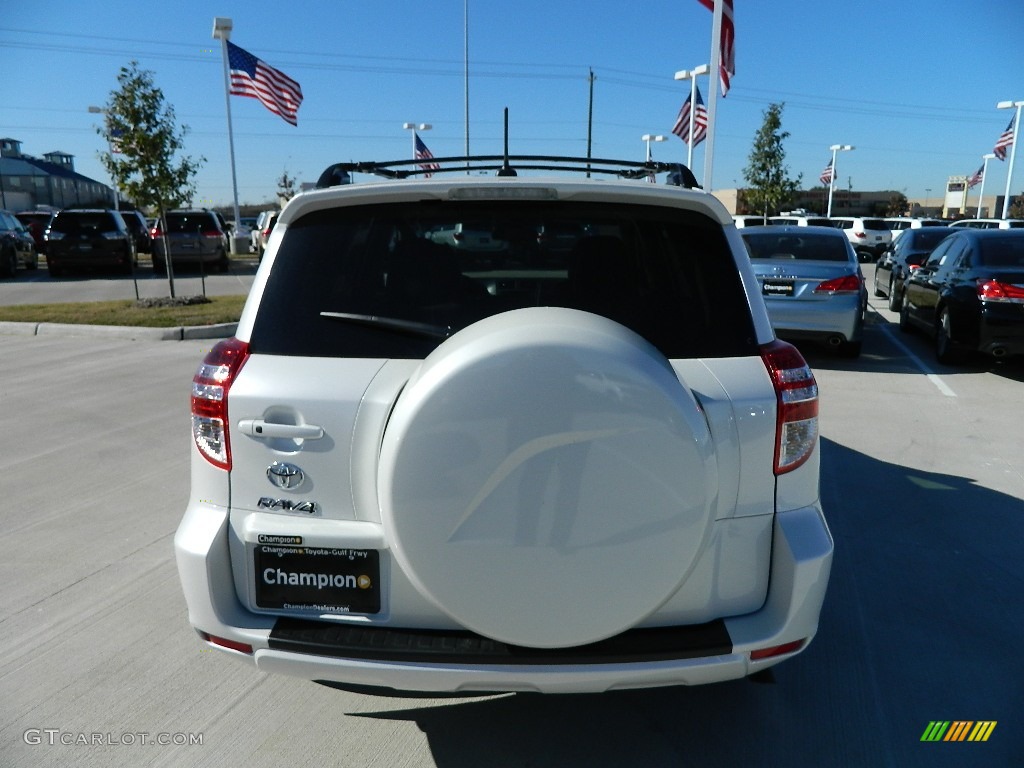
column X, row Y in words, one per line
column 984, row 173
column 692, row 75
column 648, row 137
column 94, row 110
column 831, row 184
column 1013, row 149
column 413, row 127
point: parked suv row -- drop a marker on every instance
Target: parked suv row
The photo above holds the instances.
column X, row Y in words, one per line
column 563, row 452
column 195, row 237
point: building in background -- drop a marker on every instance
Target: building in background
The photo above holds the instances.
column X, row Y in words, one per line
column 28, row 182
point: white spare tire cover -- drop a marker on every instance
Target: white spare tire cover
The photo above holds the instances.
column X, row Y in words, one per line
column 545, row 479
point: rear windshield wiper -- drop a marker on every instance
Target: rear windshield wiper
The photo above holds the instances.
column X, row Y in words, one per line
column 393, row 324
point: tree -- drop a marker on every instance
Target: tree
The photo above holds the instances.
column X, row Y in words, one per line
column 898, row 205
column 767, row 176
column 1016, row 210
column 285, row 188
column 145, row 141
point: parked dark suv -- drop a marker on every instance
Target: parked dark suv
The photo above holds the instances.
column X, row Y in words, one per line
column 196, row 237
column 88, row 238
column 16, row 246
column 137, row 225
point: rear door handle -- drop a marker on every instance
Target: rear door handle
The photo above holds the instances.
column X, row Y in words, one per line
column 261, row 428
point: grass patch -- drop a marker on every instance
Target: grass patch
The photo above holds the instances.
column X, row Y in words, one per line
column 217, row 309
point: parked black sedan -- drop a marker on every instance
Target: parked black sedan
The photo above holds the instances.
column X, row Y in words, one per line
column 906, row 254
column 969, row 294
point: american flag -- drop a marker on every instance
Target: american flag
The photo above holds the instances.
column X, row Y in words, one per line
column 700, row 121
column 252, row 77
column 422, row 153
column 727, row 62
column 975, row 180
column 828, row 174
column 1005, row 141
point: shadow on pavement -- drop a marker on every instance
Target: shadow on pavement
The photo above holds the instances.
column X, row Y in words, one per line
column 922, row 622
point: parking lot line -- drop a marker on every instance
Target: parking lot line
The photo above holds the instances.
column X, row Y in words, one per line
column 928, row 372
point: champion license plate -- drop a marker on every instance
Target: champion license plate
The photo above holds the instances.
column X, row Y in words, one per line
column 778, row 287
column 320, row 579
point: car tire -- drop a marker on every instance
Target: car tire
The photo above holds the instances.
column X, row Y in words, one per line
column 850, row 349
column 9, row 263
column 946, row 351
column 223, row 263
column 508, row 457
column 895, row 300
column 878, row 293
column 904, row 317
column 33, row 263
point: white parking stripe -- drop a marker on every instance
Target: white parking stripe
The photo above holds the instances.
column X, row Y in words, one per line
column 931, row 375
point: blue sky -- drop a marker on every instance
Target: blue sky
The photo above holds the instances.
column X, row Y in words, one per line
column 913, row 85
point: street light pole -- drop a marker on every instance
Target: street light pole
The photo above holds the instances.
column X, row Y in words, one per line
column 691, row 75
column 984, row 173
column 1013, row 150
column 416, row 127
column 648, row 137
column 831, row 184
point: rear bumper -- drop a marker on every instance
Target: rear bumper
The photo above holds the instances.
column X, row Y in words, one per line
column 838, row 316
column 439, row 661
column 1001, row 331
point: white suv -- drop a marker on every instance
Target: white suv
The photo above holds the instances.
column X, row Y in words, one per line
column 551, row 466
column 869, row 237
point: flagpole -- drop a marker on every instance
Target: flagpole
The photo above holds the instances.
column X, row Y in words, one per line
column 1013, row 151
column 222, row 30
column 984, row 173
column 716, row 72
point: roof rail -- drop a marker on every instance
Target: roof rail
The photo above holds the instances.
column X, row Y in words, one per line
column 505, row 165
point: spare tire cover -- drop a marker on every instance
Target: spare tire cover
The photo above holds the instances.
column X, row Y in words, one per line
column 545, row 478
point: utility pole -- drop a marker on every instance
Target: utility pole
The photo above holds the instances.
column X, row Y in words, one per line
column 590, row 120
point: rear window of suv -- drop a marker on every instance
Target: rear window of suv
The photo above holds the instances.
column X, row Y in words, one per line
column 395, row 280
column 191, row 222
column 83, row 221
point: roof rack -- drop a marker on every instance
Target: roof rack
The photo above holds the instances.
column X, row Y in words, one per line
column 507, row 165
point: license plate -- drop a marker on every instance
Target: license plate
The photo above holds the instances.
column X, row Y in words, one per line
column 323, row 579
column 777, row 287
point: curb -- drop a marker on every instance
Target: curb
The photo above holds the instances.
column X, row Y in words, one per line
column 133, row 333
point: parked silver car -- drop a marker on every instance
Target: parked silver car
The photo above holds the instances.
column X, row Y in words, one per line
column 811, row 282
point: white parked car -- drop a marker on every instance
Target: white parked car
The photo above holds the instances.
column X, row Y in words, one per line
column 801, row 220
column 434, row 468
column 869, row 237
column 898, row 224
column 989, row 223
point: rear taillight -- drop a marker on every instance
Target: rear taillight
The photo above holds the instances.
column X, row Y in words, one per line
column 210, row 387
column 156, row 232
column 860, row 234
column 845, row 284
column 796, row 392
column 993, row 290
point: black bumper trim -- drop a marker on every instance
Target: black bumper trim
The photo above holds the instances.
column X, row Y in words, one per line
column 331, row 639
